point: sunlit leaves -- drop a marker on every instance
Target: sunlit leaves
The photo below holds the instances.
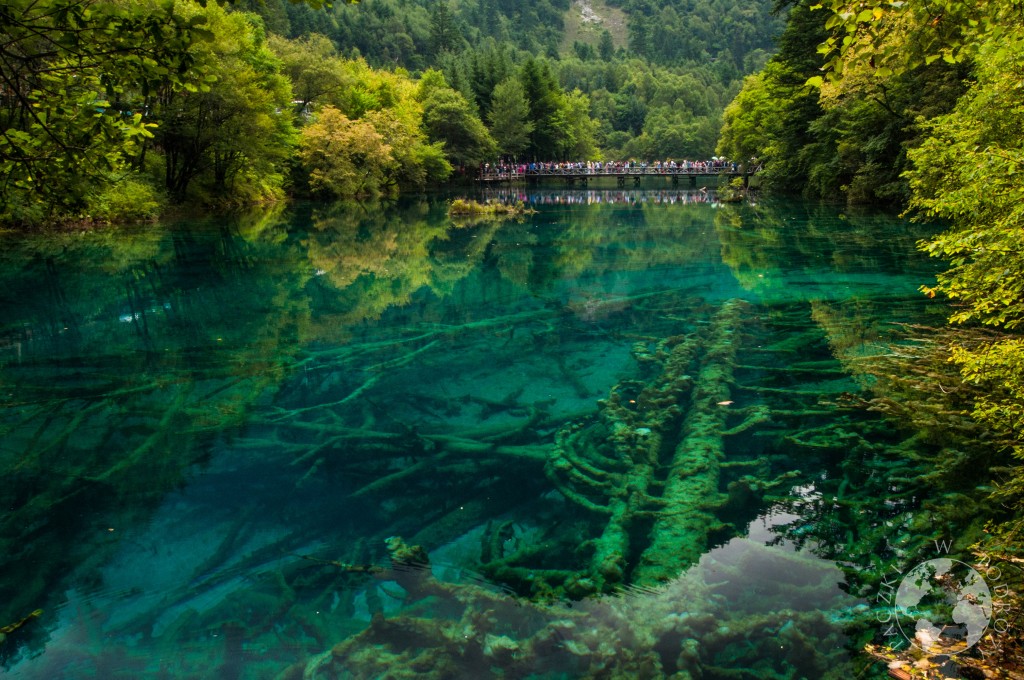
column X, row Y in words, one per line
column 967, row 171
column 926, row 31
column 313, row 66
column 345, row 157
column 236, row 133
column 389, row 102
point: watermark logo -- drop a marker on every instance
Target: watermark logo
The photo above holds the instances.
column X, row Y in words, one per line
column 942, row 606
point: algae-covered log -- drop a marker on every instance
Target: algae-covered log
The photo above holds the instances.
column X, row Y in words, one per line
column 691, row 490
column 616, row 468
column 639, row 435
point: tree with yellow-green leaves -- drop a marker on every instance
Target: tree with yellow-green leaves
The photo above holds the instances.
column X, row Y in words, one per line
column 345, row 157
column 105, row 105
column 968, row 171
column 231, row 139
column 111, row 109
column 369, row 137
column 845, row 136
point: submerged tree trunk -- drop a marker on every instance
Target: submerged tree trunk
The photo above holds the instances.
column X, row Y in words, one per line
column 691, row 494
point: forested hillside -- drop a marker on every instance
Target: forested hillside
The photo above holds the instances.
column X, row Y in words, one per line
column 112, row 110
column 413, row 33
column 655, row 89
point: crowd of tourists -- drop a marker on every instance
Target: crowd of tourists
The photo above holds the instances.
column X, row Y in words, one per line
column 713, row 166
column 599, row 196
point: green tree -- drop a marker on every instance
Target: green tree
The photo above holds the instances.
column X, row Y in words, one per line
column 574, row 128
column 605, row 46
column 314, row 68
column 966, row 171
column 584, row 50
column 751, row 124
column 630, row 114
column 491, row 64
column 509, row 117
column 73, row 75
column 417, row 162
column 232, row 135
column 449, row 118
column 390, row 102
column 673, row 133
column 444, row 33
column 542, row 92
column 345, row 157
column 772, row 116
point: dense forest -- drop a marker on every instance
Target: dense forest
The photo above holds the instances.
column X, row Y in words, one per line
column 114, row 110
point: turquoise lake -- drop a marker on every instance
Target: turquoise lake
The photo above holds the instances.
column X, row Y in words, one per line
column 629, row 435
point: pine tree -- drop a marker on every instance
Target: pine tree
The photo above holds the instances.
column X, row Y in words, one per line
column 606, row 48
column 444, row 34
column 542, row 93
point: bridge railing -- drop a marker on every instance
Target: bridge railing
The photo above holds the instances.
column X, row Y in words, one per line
column 501, row 173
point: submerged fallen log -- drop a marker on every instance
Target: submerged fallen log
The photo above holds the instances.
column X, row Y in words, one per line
column 639, row 435
column 655, row 454
column 691, row 494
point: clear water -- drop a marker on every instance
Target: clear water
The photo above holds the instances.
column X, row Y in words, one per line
column 210, row 430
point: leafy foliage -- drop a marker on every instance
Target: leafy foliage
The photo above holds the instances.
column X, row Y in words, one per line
column 967, row 172
column 346, row 157
column 874, row 32
column 231, row 134
column 73, row 77
column 840, row 137
column 920, row 102
column 206, row 100
column 450, row 119
column 371, row 137
column 510, row 125
column 697, row 49
column 771, row 118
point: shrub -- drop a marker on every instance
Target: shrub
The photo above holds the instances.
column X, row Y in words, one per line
column 128, row 199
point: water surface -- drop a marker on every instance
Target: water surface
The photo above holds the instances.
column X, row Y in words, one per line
column 627, row 433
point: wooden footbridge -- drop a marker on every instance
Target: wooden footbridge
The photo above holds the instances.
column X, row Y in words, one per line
column 623, row 175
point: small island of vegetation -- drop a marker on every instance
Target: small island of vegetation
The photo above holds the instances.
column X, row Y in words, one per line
column 465, row 207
